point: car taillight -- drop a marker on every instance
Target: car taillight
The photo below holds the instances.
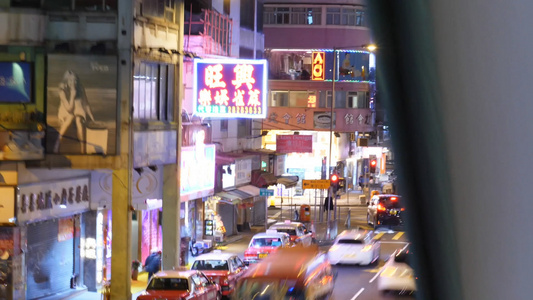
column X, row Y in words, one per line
column 381, row 207
column 403, row 209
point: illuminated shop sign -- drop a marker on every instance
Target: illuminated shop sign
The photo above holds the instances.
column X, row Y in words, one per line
column 15, row 82
column 230, row 88
column 319, row 64
column 196, row 184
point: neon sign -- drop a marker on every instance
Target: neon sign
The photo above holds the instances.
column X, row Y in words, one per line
column 318, row 66
column 230, row 88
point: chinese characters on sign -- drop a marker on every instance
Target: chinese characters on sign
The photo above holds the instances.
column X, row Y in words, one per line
column 294, row 143
column 318, row 66
column 230, row 88
column 311, row 101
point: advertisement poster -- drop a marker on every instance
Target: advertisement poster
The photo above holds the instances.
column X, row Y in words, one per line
column 81, row 104
column 66, row 229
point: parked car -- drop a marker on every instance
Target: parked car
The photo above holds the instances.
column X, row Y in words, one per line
column 397, row 275
column 222, row 268
column 385, row 209
column 355, row 247
column 181, row 284
column 297, row 231
column 296, row 273
column 263, row 244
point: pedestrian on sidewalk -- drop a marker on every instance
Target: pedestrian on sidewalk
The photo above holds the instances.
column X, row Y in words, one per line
column 361, row 182
column 152, row 264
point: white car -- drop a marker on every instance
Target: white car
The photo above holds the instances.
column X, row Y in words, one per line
column 296, row 230
column 354, row 247
column 397, row 275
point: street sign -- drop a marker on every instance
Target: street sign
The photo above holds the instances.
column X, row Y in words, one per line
column 266, row 192
column 322, row 184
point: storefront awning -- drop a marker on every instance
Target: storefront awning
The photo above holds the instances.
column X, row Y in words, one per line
column 242, row 194
column 234, row 196
column 249, row 189
column 229, row 158
column 229, row 197
column 263, row 179
column 288, row 181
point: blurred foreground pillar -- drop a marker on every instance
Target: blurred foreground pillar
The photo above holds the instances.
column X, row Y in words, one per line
column 120, row 247
column 171, row 218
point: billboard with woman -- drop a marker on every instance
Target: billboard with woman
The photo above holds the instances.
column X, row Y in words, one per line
column 81, row 104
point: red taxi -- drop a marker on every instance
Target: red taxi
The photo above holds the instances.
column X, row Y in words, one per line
column 181, row 285
column 265, row 243
column 296, row 230
column 221, row 268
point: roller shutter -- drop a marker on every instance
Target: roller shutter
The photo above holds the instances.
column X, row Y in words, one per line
column 50, row 259
column 227, row 214
column 258, row 212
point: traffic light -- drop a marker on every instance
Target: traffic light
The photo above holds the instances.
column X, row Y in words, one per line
column 334, row 179
column 373, row 165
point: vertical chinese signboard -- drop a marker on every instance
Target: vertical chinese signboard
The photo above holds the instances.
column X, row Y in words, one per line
column 318, row 66
column 230, row 88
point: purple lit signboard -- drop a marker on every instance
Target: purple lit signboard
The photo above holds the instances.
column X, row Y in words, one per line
column 230, row 88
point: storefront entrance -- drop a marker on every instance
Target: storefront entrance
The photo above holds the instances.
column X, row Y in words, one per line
column 51, row 256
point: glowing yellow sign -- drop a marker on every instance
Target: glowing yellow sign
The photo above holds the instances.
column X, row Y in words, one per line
column 311, row 101
column 319, row 66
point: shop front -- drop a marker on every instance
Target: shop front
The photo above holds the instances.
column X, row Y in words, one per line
column 52, row 218
column 254, row 207
column 234, row 170
column 197, row 183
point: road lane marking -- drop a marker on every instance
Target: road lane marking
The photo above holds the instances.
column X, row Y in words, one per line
column 276, row 215
column 398, row 235
column 379, row 235
column 358, row 293
column 375, row 276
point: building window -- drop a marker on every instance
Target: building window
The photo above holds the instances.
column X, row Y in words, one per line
column 345, row 16
column 86, row 5
column 324, row 99
column 360, row 18
column 224, row 125
column 279, row 98
column 282, row 15
column 299, row 98
column 276, row 15
column 244, row 128
column 164, row 9
column 357, row 100
column 306, row 16
column 153, row 91
column 333, row 16
column 348, row 17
